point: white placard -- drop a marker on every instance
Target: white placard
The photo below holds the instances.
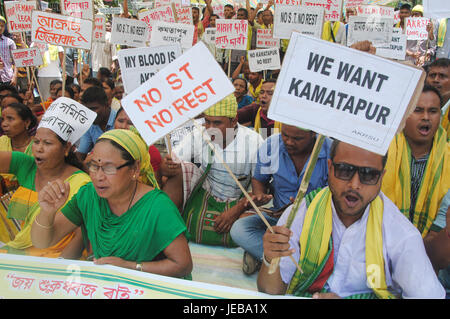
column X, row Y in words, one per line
column 61, row 30
column 27, row 57
column 44, row 5
column 99, row 34
column 18, row 14
column 265, row 39
column 209, row 36
column 436, row 9
column 179, row 92
column 83, row 9
column 218, row 8
column 416, row 28
column 353, row 3
column 164, row 33
column 177, row 135
column 231, row 34
column 397, row 48
column 350, row 95
column 110, row 10
column 380, row 11
column 68, row 119
column 129, row 32
column 264, row 59
column 306, row 20
column 140, row 64
column 376, row 29
column 333, row 8
column 288, row 2
column 184, row 15
column 161, row 13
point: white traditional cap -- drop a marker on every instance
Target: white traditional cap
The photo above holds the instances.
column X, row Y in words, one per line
column 68, row 119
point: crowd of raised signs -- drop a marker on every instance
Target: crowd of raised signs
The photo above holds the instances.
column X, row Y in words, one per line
column 78, row 180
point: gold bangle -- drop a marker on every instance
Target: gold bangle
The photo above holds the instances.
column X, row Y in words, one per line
column 45, row 227
column 139, row 266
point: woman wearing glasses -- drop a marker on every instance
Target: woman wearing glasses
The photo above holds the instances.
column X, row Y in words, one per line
column 128, row 223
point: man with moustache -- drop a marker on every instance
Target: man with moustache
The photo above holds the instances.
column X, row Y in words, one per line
column 255, row 114
column 438, row 76
column 418, row 166
column 350, row 240
column 206, row 194
column 280, row 168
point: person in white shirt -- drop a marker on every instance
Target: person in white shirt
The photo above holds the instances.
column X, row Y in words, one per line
column 208, row 197
column 351, row 240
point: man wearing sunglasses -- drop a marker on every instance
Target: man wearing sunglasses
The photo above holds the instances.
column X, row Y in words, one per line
column 350, row 239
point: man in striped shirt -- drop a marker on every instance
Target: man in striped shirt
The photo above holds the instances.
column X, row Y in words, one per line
column 8, row 73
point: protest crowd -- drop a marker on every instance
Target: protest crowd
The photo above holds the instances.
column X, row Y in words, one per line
column 313, row 215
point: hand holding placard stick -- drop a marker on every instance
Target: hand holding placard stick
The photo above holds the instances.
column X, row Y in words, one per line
column 301, row 191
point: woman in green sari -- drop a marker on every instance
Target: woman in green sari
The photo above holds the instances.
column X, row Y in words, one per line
column 128, row 223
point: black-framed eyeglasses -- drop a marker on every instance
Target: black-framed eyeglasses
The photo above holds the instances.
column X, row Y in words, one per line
column 108, row 169
column 367, row 175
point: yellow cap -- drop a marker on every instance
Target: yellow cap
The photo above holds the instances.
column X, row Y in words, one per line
column 226, row 107
column 418, row 8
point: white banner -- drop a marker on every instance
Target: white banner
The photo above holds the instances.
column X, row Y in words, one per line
column 27, row 57
column 231, row 34
column 68, row 119
column 83, row 9
column 164, row 33
column 140, row 64
column 436, row 9
column 416, row 28
column 264, row 59
column 306, row 20
column 397, row 48
column 265, row 39
column 376, row 29
column 99, row 28
column 61, row 30
column 179, row 92
column 129, row 32
column 343, row 93
column 18, row 14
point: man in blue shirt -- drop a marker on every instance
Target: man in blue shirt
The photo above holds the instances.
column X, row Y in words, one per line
column 96, row 100
column 280, row 167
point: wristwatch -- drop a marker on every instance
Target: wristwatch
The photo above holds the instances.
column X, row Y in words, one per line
column 139, row 266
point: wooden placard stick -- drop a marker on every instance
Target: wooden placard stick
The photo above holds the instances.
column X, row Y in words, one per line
column 33, row 75
column 229, row 62
column 168, row 139
column 174, row 10
column 220, row 159
column 64, row 72
column 301, row 191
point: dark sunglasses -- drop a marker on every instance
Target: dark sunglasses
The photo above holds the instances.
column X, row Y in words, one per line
column 367, row 175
